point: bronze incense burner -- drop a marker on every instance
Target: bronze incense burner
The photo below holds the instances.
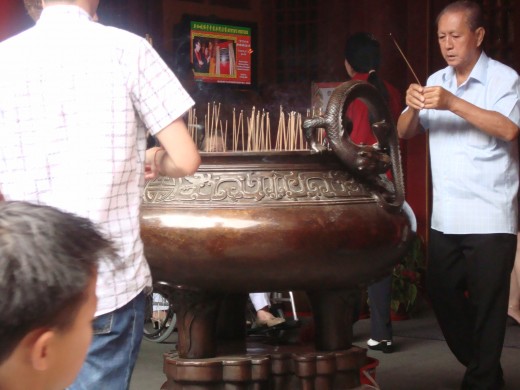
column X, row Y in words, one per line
column 318, row 221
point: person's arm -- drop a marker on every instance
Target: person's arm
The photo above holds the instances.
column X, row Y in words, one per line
column 488, row 121
column 408, row 124
column 178, row 155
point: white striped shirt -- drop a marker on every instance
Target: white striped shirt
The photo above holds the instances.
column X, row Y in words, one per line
column 76, row 98
column 475, row 175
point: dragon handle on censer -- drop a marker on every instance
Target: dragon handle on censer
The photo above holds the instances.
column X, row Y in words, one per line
column 368, row 162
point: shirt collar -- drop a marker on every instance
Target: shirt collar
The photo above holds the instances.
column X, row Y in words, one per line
column 478, row 72
column 65, row 12
column 361, row 76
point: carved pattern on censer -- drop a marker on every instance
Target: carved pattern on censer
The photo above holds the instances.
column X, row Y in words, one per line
column 221, row 189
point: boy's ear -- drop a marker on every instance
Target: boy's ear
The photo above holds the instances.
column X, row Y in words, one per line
column 41, row 349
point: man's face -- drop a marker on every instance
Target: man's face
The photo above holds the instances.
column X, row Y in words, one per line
column 459, row 45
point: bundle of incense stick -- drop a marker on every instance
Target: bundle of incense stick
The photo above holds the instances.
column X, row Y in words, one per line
column 250, row 131
column 213, row 129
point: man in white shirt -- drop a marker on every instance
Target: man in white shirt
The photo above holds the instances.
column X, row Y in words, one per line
column 471, row 109
column 77, row 99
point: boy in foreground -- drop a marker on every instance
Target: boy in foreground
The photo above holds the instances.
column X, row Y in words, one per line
column 48, row 272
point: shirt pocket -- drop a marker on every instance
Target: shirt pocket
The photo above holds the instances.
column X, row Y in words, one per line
column 478, row 139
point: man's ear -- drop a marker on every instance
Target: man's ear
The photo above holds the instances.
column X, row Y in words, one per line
column 480, row 35
column 41, row 349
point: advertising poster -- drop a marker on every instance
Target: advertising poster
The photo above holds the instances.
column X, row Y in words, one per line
column 221, row 53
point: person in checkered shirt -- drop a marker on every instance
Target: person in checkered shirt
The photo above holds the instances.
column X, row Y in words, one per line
column 77, row 100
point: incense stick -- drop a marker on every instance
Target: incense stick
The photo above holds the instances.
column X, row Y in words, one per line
column 249, row 133
column 405, row 60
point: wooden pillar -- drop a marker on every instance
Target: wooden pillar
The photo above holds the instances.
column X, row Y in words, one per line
column 416, row 44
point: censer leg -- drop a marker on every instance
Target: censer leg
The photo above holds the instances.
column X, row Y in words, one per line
column 333, row 317
column 196, row 322
column 231, row 324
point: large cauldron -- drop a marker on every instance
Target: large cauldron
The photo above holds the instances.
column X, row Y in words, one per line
column 269, row 221
column 320, row 221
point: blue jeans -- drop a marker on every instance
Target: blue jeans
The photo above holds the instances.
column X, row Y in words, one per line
column 112, row 355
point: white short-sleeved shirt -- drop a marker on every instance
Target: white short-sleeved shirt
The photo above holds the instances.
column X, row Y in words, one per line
column 475, row 175
column 76, row 98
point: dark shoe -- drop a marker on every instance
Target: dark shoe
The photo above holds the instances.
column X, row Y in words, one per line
column 513, row 314
column 499, row 385
column 384, row 345
column 512, row 320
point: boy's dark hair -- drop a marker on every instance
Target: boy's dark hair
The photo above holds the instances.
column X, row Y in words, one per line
column 47, row 259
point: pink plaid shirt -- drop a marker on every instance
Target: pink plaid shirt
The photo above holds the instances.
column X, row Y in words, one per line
column 76, row 98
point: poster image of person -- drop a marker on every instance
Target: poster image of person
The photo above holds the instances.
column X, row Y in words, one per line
column 200, row 64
